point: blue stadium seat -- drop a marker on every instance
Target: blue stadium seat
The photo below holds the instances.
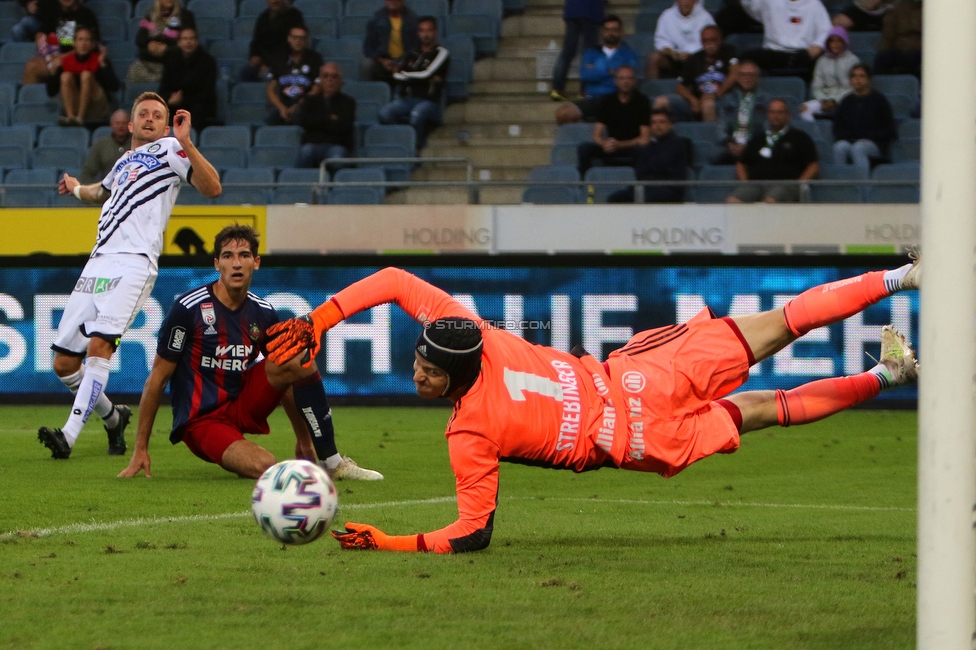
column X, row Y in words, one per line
column 863, row 41
column 344, row 48
column 243, row 26
column 8, row 94
column 119, row 50
column 357, row 195
column 564, row 154
column 745, row 42
column 482, row 29
column 256, row 184
column 229, row 49
column 655, row 5
column 109, row 8
column 280, row 136
column 58, row 157
column 910, row 128
column 703, row 151
column 602, row 192
column 552, row 194
column 493, row 8
column 64, row 136
column 437, row 8
column 19, row 135
column 11, row 72
column 896, row 84
column 36, row 196
column 189, row 195
column 142, row 8
column 461, row 72
column 367, row 91
column 818, row 129
column 35, row 113
column 297, row 194
column 707, row 131
column 17, row 52
column 250, row 113
column 275, row 156
column 655, row 87
column 399, row 134
column 114, row 27
column 251, row 8
column 901, row 105
column 792, row 88
column 132, row 91
column 367, row 113
column 394, row 171
column 646, row 22
column 250, row 91
column 907, row 193
column 906, row 150
column 226, row 136
column 212, row 29
column 10, row 10
column 362, row 7
column 839, row 193
column 226, row 9
column 353, row 26
column 714, row 194
column 225, row 157
column 315, row 8
column 574, row 133
column 14, row 156
column 322, row 26
column 33, row 93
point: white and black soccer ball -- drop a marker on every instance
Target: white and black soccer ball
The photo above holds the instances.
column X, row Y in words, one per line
column 294, row 501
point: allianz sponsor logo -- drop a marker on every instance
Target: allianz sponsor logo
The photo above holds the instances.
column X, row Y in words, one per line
column 228, row 357
column 688, row 236
column 901, row 232
column 446, row 236
column 96, row 285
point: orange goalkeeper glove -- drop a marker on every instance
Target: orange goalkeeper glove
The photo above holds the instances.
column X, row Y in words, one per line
column 364, row 537
column 290, row 338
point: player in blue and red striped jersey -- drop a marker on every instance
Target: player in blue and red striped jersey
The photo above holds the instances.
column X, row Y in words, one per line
column 208, row 351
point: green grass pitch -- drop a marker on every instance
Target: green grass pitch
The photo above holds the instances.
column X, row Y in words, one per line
column 804, row 538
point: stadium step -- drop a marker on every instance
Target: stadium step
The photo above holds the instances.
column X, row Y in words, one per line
column 484, row 111
column 526, row 87
column 495, row 154
column 496, row 173
column 454, row 196
column 483, row 133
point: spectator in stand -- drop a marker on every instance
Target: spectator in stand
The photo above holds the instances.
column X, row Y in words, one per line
column 664, row 158
column 27, row 27
column 733, row 19
column 419, row 84
column 781, row 153
column 900, row 47
column 327, row 118
column 622, row 125
column 708, row 75
column 59, row 21
column 270, row 37
column 85, row 80
column 598, row 70
column 831, row 82
column 864, row 125
column 390, row 33
column 743, row 113
column 583, row 19
column 190, row 79
column 105, row 151
column 794, row 34
column 863, row 15
column 678, row 36
column 293, row 74
column 158, row 31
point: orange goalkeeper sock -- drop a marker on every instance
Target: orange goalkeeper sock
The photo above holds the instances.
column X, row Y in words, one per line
column 836, row 301
column 818, row 399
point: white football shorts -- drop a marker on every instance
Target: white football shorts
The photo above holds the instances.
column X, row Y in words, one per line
column 106, row 299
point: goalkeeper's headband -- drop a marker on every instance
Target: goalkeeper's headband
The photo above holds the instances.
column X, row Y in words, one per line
column 454, row 345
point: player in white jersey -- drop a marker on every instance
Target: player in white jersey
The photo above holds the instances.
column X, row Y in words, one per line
column 137, row 198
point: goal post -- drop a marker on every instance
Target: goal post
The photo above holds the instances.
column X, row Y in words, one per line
column 946, row 606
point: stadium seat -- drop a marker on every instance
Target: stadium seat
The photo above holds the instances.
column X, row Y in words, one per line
column 19, row 135
column 399, row 134
column 11, row 72
column 656, row 87
column 35, row 113
column 345, row 48
column 229, row 48
column 58, row 157
column 906, row 193
column 273, row 156
column 37, row 196
column 461, row 72
column 394, row 171
column 225, row 157
column 322, row 26
column 211, row 29
column 367, row 91
column 436, row 8
column 14, row 156
column 299, row 194
column 564, row 154
column 493, row 8
column 655, row 5
column 255, row 186
column 135, row 89
column 910, row 128
column 226, row 9
column 745, row 42
column 189, row 195
column 109, row 8
column 362, row 7
column 714, row 193
column 114, row 27
column 143, row 7
column 119, row 50
column 250, row 91
column 707, row 131
column 17, row 52
column 64, row 136
column 33, row 93
column 8, row 94
column 901, row 105
column 5, row 115
column 10, row 10
column 353, row 26
column 243, row 26
column 482, row 29
column 646, row 22
column 357, row 195
column 906, row 150
column 279, row 136
column 703, row 151
column 247, row 113
column 818, row 129
column 552, row 194
column 602, row 192
column 251, row 8
column 574, row 133
column 791, row 88
column 226, row 136
column 839, row 193
column 896, row 84
column 328, row 8
column 863, row 41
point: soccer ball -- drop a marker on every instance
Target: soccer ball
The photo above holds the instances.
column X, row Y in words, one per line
column 294, row 501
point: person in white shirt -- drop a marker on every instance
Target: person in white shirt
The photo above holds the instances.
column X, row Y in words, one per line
column 137, row 197
column 677, row 36
column 794, row 34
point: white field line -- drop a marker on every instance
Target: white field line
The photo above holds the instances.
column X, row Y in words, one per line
column 149, row 521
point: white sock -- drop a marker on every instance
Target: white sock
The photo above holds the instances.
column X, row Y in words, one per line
column 893, row 278
column 883, row 375
column 333, row 461
column 104, row 407
column 91, row 387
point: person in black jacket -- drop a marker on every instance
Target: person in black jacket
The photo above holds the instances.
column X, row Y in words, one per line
column 664, row 158
column 864, row 125
column 59, row 20
column 420, row 82
column 271, row 31
column 190, row 79
column 390, row 33
column 328, row 118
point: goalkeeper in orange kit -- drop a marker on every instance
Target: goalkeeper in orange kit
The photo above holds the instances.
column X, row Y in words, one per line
column 658, row 404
